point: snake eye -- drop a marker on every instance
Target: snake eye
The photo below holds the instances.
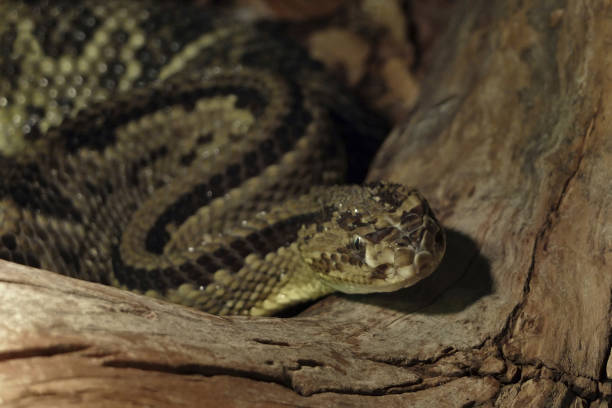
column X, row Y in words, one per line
column 357, row 243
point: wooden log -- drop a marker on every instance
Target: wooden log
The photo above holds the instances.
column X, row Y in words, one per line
column 510, row 143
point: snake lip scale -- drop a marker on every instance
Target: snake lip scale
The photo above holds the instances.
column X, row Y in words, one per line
column 171, row 152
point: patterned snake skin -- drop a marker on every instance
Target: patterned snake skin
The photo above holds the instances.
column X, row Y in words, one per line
column 182, row 155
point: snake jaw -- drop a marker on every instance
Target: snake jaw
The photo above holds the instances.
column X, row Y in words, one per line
column 394, row 269
column 376, row 256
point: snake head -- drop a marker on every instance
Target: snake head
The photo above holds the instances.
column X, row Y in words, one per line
column 386, row 239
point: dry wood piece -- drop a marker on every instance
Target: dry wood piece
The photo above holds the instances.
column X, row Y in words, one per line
column 511, row 144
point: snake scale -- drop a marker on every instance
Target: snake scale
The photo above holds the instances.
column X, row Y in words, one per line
column 177, row 153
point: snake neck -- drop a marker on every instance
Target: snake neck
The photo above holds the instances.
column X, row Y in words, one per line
column 301, row 284
column 263, row 287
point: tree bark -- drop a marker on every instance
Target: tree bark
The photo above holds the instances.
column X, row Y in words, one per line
column 510, row 143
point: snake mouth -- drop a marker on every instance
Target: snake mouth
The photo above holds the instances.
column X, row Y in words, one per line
column 403, row 269
column 422, row 266
column 395, row 267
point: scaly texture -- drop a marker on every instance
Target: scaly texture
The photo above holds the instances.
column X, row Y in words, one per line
column 158, row 149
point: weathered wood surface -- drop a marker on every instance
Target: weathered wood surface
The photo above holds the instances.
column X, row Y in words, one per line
column 512, row 144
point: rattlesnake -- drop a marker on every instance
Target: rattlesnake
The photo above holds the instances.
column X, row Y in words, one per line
column 182, row 155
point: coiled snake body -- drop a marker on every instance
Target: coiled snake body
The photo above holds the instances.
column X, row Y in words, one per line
column 155, row 148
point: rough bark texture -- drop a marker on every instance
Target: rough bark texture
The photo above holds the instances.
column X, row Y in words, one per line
column 511, row 143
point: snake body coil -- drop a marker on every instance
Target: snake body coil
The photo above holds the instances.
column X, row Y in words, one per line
column 157, row 149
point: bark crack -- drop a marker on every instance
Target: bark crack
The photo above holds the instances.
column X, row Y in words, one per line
column 195, row 369
column 43, row 351
column 544, row 231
